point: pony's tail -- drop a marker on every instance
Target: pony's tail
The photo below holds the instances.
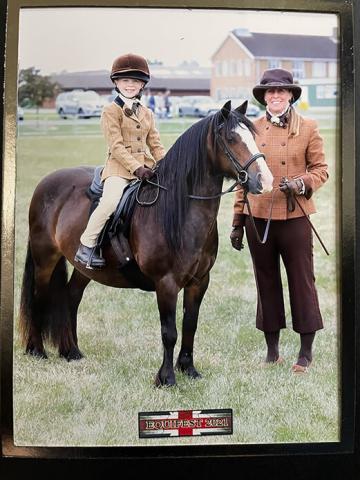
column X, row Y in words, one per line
column 27, row 298
column 44, row 310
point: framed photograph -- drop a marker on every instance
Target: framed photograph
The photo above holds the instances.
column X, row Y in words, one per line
column 151, row 347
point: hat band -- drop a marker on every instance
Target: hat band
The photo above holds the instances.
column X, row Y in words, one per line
column 274, row 84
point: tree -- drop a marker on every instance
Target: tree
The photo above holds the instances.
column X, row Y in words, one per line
column 35, row 88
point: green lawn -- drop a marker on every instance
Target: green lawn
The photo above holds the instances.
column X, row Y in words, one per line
column 96, row 401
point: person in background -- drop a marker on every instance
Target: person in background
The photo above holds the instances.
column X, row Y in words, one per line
column 134, row 147
column 151, row 102
column 294, row 151
column 167, row 104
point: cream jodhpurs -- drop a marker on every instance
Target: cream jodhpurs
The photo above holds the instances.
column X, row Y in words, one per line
column 113, row 189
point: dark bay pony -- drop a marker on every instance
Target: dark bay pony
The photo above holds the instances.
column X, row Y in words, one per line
column 174, row 241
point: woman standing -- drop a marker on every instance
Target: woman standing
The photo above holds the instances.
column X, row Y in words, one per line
column 294, row 152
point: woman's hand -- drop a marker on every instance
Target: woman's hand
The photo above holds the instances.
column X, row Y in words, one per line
column 236, row 238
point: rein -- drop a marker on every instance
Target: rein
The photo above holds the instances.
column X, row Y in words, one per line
column 242, row 178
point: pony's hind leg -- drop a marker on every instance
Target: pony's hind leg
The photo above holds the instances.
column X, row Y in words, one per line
column 193, row 295
column 76, row 287
column 45, row 312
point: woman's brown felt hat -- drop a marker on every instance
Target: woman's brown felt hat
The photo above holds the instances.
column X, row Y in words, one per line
column 276, row 77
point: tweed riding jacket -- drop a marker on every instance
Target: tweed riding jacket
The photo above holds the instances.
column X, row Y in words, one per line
column 291, row 156
column 133, row 140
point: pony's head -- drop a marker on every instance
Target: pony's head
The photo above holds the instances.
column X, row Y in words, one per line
column 237, row 155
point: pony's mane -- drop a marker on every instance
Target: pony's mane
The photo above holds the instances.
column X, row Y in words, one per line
column 182, row 172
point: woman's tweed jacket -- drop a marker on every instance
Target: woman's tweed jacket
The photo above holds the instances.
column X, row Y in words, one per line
column 291, row 157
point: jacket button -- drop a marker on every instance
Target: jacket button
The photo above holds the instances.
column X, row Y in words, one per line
column 283, row 162
column 139, row 150
column 283, row 144
column 263, row 144
column 137, row 126
column 138, row 139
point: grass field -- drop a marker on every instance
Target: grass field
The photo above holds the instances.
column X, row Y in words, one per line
column 95, row 402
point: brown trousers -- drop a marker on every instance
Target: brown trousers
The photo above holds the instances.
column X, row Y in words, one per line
column 290, row 240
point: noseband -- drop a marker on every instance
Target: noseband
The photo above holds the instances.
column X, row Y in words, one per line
column 241, row 170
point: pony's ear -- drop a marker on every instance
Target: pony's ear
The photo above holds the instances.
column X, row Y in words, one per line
column 226, row 109
column 242, row 108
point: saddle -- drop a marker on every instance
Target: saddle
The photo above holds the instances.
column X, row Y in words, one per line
column 117, row 228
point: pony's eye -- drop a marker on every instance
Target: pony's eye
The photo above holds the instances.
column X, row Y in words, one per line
column 231, row 138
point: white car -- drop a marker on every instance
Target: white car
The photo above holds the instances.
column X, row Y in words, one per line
column 83, row 104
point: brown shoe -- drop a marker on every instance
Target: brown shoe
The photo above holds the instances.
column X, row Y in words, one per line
column 296, row 368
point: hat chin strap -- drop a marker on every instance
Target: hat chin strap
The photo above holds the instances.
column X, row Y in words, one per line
column 138, row 96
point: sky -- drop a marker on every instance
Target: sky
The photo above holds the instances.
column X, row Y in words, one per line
column 82, row 39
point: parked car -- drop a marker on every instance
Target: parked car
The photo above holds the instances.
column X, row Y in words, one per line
column 83, row 104
column 251, row 111
column 197, row 106
column 106, row 99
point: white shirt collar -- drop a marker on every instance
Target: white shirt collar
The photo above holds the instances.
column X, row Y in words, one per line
column 129, row 101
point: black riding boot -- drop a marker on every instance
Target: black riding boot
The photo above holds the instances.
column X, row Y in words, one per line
column 89, row 257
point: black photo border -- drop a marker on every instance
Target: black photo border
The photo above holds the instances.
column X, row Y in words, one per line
column 251, row 461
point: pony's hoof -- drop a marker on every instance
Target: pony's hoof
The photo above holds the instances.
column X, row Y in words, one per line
column 193, row 373
column 36, row 353
column 167, row 382
column 190, row 371
column 73, row 354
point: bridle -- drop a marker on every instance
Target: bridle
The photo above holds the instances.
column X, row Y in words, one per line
column 242, row 175
column 242, row 179
column 241, row 170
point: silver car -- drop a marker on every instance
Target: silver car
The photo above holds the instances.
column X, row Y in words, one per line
column 197, row 106
column 83, row 104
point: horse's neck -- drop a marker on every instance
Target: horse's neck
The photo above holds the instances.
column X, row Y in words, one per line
column 211, row 186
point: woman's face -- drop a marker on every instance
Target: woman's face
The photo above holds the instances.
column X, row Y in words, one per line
column 277, row 99
column 129, row 87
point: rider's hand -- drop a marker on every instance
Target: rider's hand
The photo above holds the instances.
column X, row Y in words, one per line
column 143, row 173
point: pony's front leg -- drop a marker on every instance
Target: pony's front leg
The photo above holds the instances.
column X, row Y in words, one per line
column 167, row 292
column 193, row 295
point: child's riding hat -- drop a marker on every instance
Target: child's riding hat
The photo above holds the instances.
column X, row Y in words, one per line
column 276, row 78
column 130, row 66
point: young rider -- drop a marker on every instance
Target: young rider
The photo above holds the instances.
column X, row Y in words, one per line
column 133, row 148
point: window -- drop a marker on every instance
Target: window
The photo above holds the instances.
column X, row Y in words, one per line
column 332, row 69
column 218, row 69
column 326, row 91
column 233, row 68
column 247, row 68
column 225, row 68
column 319, row 69
column 240, row 68
column 274, row 63
column 298, row 69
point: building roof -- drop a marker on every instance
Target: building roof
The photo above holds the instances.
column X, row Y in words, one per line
column 89, row 80
column 182, row 77
column 274, row 45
